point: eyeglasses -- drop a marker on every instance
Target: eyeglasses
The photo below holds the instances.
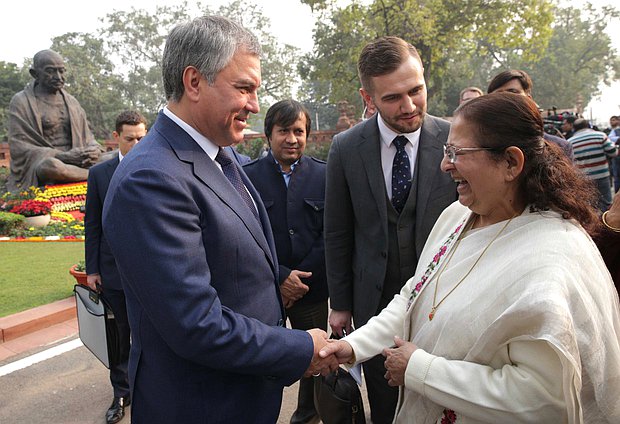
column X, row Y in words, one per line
column 452, row 152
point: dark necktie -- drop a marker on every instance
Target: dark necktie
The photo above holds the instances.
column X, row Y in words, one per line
column 401, row 174
column 232, row 173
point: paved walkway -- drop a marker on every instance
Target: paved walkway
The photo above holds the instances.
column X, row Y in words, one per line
column 37, row 329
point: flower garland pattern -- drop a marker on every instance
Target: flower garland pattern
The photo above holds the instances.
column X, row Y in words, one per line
column 433, row 264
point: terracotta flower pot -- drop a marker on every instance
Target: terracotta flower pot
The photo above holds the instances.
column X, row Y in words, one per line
column 80, row 276
column 37, row 221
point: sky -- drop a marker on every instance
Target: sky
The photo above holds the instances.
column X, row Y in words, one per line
column 28, row 26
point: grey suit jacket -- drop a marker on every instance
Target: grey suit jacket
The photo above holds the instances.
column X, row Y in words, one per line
column 356, row 215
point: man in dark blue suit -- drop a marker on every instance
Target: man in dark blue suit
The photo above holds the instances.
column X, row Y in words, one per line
column 292, row 187
column 194, row 247
column 100, row 265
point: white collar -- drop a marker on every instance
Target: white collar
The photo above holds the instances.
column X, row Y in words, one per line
column 388, row 135
column 205, row 144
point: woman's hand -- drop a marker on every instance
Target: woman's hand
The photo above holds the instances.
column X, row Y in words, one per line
column 613, row 214
column 396, row 360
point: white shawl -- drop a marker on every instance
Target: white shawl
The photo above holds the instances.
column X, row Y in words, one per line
column 542, row 279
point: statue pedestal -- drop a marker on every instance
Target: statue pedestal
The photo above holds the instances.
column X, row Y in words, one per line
column 37, row 221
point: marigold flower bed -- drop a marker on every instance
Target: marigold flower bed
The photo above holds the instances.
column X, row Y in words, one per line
column 67, row 199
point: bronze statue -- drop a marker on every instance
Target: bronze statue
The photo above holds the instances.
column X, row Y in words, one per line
column 49, row 138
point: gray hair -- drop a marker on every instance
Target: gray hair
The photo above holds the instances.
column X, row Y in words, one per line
column 208, row 43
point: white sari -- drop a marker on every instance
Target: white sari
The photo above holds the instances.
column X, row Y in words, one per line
column 530, row 335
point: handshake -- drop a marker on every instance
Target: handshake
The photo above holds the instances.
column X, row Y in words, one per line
column 328, row 354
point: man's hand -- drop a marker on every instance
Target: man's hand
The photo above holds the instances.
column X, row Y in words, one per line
column 319, row 365
column 292, row 288
column 339, row 320
column 340, row 349
column 396, row 360
column 93, row 281
column 287, row 302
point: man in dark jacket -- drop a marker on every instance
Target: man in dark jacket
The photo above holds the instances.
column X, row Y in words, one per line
column 519, row 82
column 100, row 264
column 292, row 187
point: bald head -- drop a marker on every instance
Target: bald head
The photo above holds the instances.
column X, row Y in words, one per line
column 45, row 56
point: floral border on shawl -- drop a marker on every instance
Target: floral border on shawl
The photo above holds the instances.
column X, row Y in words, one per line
column 448, row 417
column 434, row 264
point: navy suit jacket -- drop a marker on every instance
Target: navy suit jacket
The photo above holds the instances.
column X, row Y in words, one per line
column 200, row 277
column 99, row 258
column 296, row 216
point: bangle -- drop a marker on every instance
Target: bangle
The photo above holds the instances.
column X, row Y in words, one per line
column 614, row 229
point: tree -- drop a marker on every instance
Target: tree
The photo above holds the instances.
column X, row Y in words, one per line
column 91, row 80
column 138, row 37
column 12, row 80
column 578, row 58
column 440, row 30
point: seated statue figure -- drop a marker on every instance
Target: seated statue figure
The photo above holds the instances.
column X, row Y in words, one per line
column 49, row 138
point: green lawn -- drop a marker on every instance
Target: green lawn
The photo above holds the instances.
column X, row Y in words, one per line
column 34, row 274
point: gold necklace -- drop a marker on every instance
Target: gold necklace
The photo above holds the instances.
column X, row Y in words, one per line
column 431, row 315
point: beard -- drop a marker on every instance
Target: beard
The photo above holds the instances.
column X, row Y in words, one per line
column 401, row 126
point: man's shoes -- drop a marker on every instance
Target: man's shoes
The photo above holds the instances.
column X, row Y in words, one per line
column 116, row 411
column 305, row 417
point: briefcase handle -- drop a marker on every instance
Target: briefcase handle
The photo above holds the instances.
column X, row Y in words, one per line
column 92, row 295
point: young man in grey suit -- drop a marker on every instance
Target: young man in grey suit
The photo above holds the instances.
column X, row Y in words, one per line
column 384, row 192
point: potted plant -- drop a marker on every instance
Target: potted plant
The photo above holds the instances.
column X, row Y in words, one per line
column 37, row 212
column 79, row 272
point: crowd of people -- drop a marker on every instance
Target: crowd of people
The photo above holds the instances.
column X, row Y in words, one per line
column 458, row 258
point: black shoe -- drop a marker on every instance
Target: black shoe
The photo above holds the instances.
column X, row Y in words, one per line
column 308, row 417
column 116, row 411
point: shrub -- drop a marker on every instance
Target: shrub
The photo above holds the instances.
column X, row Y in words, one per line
column 10, row 222
column 4, row 176
column 252, row 148
column 317, row 150
column 54, row 228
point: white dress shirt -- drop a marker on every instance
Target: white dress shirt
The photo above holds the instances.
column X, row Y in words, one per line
column 388, row 151
column 209, row 147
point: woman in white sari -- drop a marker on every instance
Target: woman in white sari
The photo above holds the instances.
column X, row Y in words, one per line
column 512, row 315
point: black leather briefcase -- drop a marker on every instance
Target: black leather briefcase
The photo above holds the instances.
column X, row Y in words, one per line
column 337, row 398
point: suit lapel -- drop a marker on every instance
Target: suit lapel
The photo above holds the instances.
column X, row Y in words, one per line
column 430, row 154
column 209, row 174
column 111, row 167
column 370, row 154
